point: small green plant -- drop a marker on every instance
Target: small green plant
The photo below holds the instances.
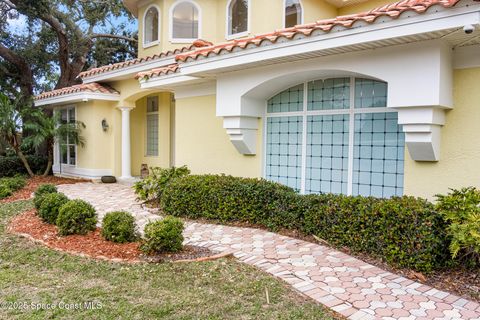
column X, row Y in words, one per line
column 119, row 226
column 14, row 183
column 163, row 236
column 5, row 191
column 41, row 191
column 76, row 217
column 152, row 187
column 50, row 206
column 461, row 209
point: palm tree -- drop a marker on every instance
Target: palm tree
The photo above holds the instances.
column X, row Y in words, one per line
column 11, row 126
column 43, row 128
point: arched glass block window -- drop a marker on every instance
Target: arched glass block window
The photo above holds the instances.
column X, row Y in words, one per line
column 293, row 13
column 185, row 21
column 151, row 26
column 335, row 135
column 237, row 17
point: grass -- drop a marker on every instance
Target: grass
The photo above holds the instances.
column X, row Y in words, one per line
column 209, row 290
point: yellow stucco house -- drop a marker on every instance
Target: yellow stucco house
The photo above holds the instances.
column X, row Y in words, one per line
column 342, row 96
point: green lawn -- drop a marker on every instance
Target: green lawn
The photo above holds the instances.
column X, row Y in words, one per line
column 210, row 290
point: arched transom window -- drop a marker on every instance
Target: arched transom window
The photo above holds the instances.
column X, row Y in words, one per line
column 237, row 17
column 335, row 136
column 185, row 21
column 293, row 13
column 151, row 26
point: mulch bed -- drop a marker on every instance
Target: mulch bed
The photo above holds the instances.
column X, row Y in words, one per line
column 35, row 182
column 92, row 245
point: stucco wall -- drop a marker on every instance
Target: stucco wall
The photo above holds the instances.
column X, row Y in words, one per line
column 361, row 7
column 98, row 151
column 203, row 145
column 138, row 125
column 266, row 16
column 459, row 165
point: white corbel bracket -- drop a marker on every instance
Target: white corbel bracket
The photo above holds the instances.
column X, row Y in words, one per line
column 422, row 127
column 243, row 133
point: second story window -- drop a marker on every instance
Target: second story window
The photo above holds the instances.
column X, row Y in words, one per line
column 151, row 26
column 293, row 13
column 237, row 17
column 185, row 21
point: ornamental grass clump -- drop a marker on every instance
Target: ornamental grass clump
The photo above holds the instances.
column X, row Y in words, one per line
column 42, row 191
column 76, row 217
column 51, row 204
column 163, row 236
column 119, row 226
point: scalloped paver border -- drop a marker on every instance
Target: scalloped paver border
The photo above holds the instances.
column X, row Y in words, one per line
column 347, row 285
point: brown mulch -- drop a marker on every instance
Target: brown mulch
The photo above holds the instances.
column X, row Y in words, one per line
column 35, row 182
column 93, row 245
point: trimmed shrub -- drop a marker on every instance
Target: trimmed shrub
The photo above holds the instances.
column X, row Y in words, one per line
column 151, row 188
column 12, row 165
column 404, row 231
column 227, row 198
column 41, row 191
column 76, row 217
column 119, row 226
column 14, row 183
column 50, row 206
column 163, row 236
column 5, row 191
column 461, row 209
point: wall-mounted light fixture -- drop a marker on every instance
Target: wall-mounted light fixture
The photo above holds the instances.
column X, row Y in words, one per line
column 104, row 125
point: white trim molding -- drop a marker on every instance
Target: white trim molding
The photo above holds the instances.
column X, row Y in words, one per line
column 170, row 22
column 152, row 43
column 75, row 172
column 229, row 36
column 77, row 97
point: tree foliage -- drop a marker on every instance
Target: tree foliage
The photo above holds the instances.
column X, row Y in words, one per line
column 60, row 39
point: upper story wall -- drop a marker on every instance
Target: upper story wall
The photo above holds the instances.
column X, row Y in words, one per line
column 264, row 16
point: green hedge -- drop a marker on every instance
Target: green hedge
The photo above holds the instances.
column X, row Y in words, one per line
column 12, row 165
column 405, row 231
column 227, row 198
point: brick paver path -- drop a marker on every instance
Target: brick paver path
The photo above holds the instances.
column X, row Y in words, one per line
column 347, row 285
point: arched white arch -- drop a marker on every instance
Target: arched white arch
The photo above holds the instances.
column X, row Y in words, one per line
column 229, row 36
column 170, row 19
column 152, row 43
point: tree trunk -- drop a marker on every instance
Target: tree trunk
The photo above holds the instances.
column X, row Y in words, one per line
column 50, row 158
column 25, row 162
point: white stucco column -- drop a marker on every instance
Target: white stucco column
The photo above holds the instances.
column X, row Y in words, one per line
column 126, row 150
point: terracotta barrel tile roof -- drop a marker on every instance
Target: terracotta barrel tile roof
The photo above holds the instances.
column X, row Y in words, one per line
column 196, row 44
column 89, row 87
column 157, row 72
column 391, row 10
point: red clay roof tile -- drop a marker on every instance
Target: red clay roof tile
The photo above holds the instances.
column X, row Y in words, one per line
column 172, row 68
column 88, row 87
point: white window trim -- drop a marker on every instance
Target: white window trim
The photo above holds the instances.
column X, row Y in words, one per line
column 302, row 20
column 68, row 107
column 146, row 127
column 229, row 36
column 170, row 19
column 351, row 111
column 152, row 43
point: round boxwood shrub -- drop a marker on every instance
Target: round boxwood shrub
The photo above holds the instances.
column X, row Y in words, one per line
column 163, row 236
column 5, row 191
column 119, row 226
column 76, row 217
column 51, row 204
column 41, row 191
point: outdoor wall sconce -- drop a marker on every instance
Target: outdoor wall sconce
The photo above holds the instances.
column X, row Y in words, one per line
column 104, row 125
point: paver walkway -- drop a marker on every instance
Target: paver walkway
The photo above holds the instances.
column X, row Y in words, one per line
column 347, row 285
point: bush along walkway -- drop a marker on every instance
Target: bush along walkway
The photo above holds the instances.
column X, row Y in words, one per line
column 345, row 284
